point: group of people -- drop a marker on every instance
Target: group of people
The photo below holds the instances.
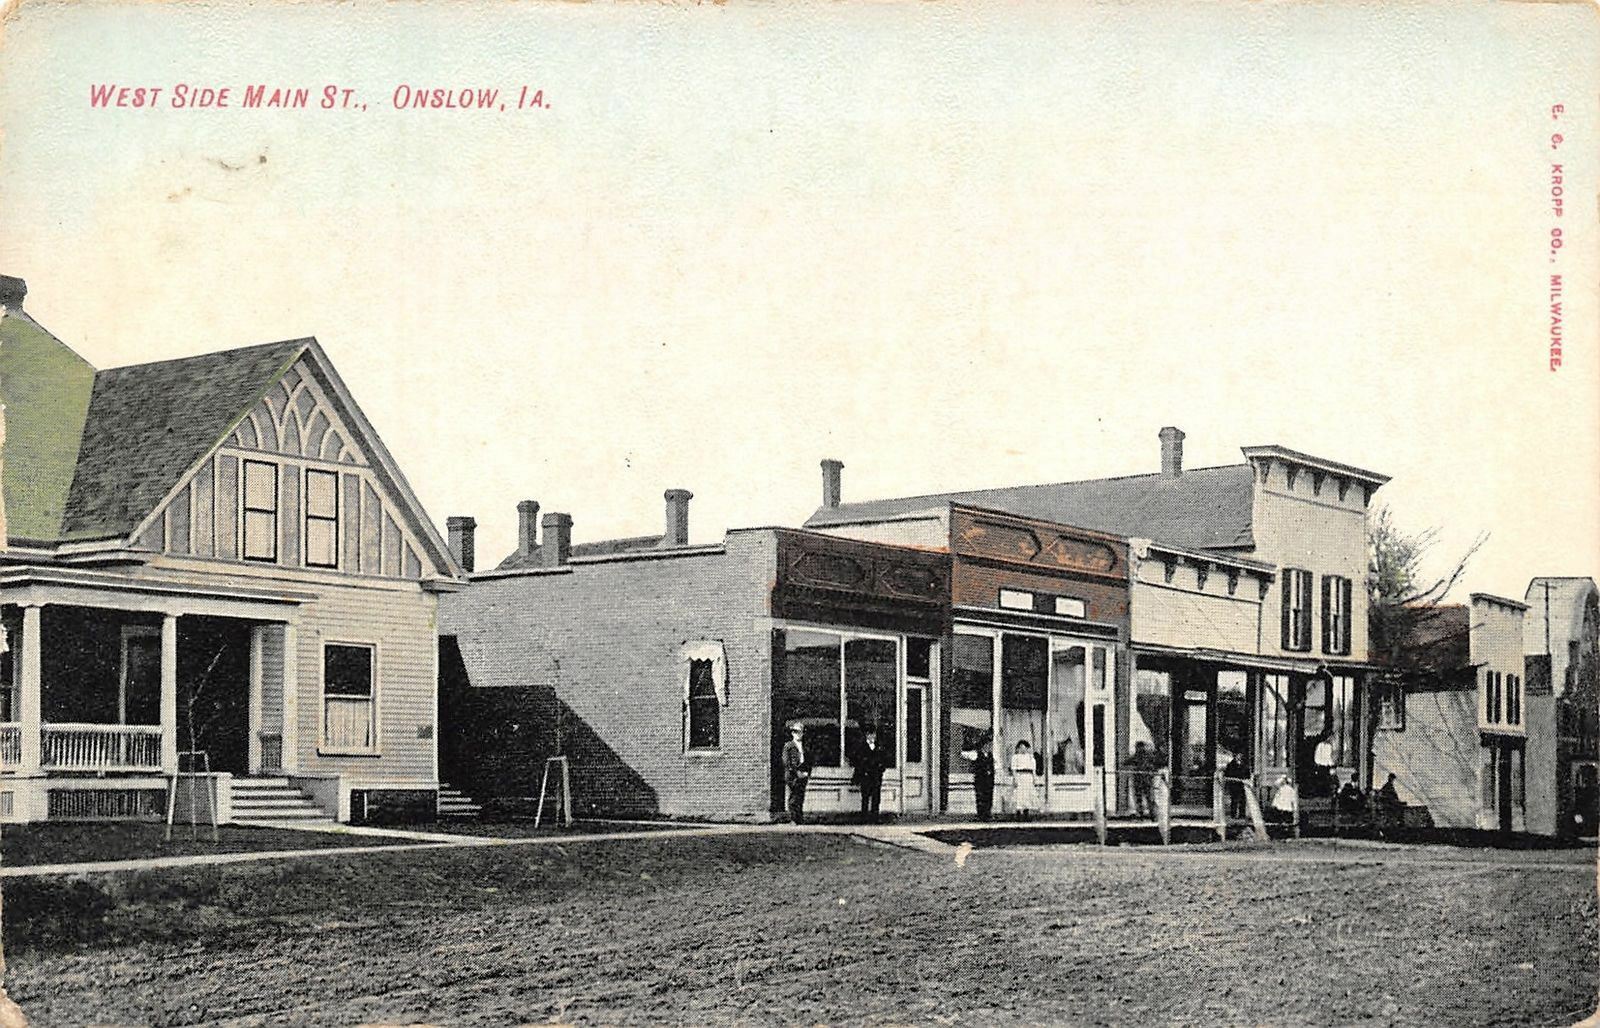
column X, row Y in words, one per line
column 1024, row 776
column 869, row 760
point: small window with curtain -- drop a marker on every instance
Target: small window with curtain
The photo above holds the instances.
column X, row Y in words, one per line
column 1391, row 706
column 260, row 511
column 702, row 670
column 349, row 709
column 322, row 518
column 705, row 712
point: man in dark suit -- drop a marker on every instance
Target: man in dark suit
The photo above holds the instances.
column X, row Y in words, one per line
column 870, row 762
column 796, row 771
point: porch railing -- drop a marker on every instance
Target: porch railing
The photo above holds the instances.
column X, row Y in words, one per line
column 77, row 747
column 271, row 752
column 10, row 745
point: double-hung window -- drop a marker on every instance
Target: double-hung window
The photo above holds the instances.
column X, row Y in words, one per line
column 322, row 519
column 260, row 511
column 1296, row 588
column 1336, row 598
column 349, row 707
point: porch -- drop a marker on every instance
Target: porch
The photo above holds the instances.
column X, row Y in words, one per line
column 109, row 687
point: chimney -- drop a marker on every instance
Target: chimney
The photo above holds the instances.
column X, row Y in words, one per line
column 677, row 533
column 462, row 536
column 1171, row 452
column 12, row 290
column 831, row 470
column 557, row 546
column 527, row 528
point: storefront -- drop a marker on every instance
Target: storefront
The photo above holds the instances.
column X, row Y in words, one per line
column 1039, row 628
column 855, row 650
column 1266, row 724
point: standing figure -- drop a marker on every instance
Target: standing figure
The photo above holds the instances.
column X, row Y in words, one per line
column 1143, row 763
column 982, row 775
column 1023, row 772
column 1233, row 783
column 870, row 764
column 796, row 771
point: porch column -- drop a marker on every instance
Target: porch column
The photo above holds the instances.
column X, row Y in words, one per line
column 257, row 646
column 169, row 694
column 291, row 699
column 29, row 682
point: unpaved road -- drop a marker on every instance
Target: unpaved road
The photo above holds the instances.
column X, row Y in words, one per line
column 818, row 929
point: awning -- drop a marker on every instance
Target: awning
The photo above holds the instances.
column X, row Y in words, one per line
column 1257, row 661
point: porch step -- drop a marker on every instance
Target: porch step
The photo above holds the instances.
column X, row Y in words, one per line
column 455, row 803
column 260, row 800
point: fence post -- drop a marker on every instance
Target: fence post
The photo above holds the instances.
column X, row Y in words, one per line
column 1252, row 806
column 1161, row 794
column 1219, row 809
column 1294, row 801
column 1100, row 809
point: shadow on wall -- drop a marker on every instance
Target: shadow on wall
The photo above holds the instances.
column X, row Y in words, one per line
column 493, row 743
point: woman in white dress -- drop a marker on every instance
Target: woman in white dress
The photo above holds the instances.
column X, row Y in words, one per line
column 1023, row 771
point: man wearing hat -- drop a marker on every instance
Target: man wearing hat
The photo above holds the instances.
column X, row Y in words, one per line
column 796, row 771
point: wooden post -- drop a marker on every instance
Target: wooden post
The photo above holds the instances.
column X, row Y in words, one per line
column 169, row 694
column 1252, row 805
column 1294, row 801
column 1100, row 830
column 1219, row 808
column 30, row 682
column 289, row 744
column 1161, row 795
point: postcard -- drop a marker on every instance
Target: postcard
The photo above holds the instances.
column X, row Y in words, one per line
column 818, row 513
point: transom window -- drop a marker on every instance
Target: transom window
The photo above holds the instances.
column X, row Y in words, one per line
column 349, row 710
column 260, row 511
column 322, row 518
column 1016, row 599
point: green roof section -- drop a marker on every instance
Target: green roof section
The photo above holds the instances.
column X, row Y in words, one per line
column 46, row 388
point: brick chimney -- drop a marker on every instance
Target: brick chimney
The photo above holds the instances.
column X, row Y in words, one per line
column 527, row 528
column 463, row 535
column 1171, row 452
column 831, row 471
column 677, row 531
column 12, row 290
column 557, row 547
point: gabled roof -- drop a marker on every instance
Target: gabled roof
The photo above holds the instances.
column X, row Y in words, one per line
column 149, row 424
column 1203, row 508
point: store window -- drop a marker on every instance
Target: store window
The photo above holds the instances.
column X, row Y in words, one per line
column 1024, row 682
column 1274, row 721
column 1067, row 688
column 870, row 677
column 1344, row 737
column 971, row 698
column 1151, row 719
column 813, row 664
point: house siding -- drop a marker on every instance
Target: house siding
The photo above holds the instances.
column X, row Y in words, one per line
column 1300, row 526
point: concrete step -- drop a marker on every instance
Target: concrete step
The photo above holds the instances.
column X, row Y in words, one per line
column 455, row 803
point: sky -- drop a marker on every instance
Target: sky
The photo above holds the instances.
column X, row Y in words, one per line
column 955, row 245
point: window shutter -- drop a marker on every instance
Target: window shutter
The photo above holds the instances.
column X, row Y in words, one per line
column 1305, row 610
column 1286, row 586
column 1346, row 610
column 1329, row 644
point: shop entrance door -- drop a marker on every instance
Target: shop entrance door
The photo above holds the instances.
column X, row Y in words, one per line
column 1194, row 749
column 916, row 792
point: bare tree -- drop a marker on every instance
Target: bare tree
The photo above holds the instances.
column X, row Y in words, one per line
column 1401, row 599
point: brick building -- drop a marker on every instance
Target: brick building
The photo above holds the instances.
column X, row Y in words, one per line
column 667, row 671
